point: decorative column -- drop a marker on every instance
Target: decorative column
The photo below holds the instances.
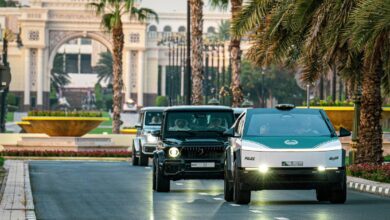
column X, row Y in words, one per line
column 27, row 79
column 163, row 80
column 39, row 78
column 128, row 76
column 140, row 83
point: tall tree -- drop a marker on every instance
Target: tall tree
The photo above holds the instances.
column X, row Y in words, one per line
column 59, row 78
column 234, row 49
column 370, row 33
column 111, row 12
column 196, row 7
column 312, row 34
column 104, row 67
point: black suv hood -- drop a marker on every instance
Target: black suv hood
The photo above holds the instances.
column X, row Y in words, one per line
column 193, row 141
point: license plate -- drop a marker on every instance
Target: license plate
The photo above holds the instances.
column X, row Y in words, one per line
column 203, row 165
column 292, row 163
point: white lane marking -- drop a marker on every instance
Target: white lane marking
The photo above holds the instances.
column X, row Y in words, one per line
column 203, row 194
column 281, row 218
column 235, row 205
column 255, row 211
column 216, row 198
column 179, row 184
column 147, row 168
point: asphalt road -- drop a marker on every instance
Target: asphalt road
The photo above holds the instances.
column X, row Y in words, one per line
column 95, row 190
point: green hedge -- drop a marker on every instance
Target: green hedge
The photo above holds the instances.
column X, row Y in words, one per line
column 66, row 114
column 2, row 161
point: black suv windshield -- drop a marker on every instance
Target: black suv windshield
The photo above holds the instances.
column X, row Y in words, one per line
column 286, row 124
column 153, row 118
column 193, row 123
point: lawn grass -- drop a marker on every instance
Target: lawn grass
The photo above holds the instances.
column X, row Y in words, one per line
column 10, row 117
column 101, row 131
column 109, row 122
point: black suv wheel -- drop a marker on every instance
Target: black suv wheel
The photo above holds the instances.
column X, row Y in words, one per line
column 228, row 185
column 240, row 196
column 162, row 182
column 134, row 156
column 154, row 174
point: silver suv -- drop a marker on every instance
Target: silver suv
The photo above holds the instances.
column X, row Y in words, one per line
column 144, row 144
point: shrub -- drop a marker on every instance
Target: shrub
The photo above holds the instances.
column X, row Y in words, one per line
column 380, row 173
column 1, row 161
column 62, row 153
column 162, row 101
column 66, row 114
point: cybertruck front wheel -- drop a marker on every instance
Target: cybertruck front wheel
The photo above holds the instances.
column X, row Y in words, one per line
column 240, row 196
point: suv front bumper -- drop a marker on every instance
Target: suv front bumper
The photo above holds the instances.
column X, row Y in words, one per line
column 292, row 178
column 183, row 169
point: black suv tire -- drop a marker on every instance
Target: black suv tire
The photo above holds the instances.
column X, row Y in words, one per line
column 154, row 174
column 228, row 186
column 134, row 156
column 240, row 196
column 163, row 184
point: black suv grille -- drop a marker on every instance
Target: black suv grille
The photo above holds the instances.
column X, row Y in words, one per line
column 202, row 152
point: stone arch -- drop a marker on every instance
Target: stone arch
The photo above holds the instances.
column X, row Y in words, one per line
column 182, row 29
column 66, row 36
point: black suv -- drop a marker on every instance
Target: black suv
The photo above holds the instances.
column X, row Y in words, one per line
column 191, row 144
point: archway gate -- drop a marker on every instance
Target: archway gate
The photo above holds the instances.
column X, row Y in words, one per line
column 47, row 25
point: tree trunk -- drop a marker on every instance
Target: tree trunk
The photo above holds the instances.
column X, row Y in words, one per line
column 369, row 149
column 235, row 54
column 196, row 50
column 117, row 34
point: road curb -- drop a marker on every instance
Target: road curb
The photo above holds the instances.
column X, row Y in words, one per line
column 363, row 185
column 30, row 209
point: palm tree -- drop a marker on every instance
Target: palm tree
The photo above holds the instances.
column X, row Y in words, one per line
column 224, row 30
column 111, row 12
column 312, row 34
column 234, row 49
column 59, row 78
column 370, row 31
column 104, row 67
column 196, row 7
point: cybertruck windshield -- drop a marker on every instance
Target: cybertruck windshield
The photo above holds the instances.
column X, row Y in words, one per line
column 286, row 124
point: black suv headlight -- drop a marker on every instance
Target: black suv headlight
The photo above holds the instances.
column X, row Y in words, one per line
column 173, row 152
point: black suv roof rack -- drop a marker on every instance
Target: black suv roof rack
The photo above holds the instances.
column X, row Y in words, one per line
column 285, row 107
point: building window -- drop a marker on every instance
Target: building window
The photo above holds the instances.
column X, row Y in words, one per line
column 134, row 38
column 153, row 28
column 167, row 29
column 33, row 35
column 86, row 63
column 72, row 65
column 211, row 30
column 86, row 41
column 182, row 29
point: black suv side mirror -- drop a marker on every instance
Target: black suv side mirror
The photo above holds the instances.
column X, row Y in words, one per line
column 344, row 132
column 230, row 133
column 156, row 133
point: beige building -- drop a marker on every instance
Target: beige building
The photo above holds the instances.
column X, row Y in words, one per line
column 47, row 25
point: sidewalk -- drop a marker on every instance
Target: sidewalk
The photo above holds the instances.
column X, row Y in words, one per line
column 368, row 186
column 17, row 203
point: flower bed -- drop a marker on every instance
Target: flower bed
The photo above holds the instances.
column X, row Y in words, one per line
column 379, row 173
column 60, row 153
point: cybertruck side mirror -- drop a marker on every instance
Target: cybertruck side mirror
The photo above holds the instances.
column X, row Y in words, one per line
column 344, row 132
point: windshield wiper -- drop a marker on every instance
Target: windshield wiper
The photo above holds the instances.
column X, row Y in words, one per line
column 185, row 131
